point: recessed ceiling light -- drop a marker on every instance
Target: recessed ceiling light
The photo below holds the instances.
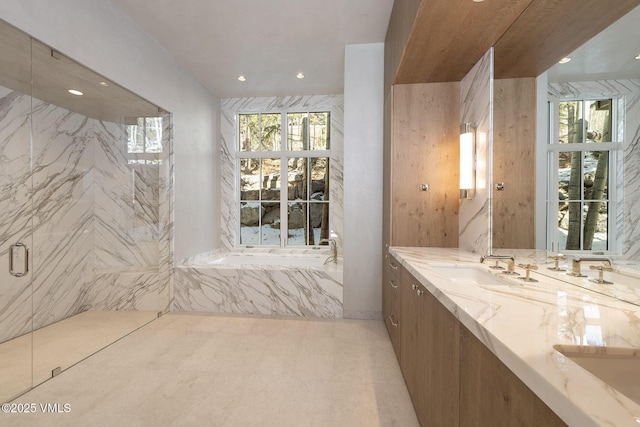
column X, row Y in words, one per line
column 478, row 1
column 300, row 76
column 103, row 84
column 638, row 56
column 242, row 78
column 75, row 92
column 564, row 60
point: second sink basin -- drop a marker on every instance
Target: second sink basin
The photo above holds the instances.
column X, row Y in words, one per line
column 469, row 275
column 616, row 366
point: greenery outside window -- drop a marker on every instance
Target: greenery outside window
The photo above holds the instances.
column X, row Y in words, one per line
column 283, row 169
column 144, row 140
column 582, row 163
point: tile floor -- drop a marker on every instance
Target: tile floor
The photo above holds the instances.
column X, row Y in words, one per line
column 193, row 370
column 62, row 344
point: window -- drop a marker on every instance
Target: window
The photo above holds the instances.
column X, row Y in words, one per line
column 144, row 139
column 582, row 160
column 293, row 145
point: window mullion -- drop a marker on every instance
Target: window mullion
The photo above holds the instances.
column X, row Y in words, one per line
column 284, row 181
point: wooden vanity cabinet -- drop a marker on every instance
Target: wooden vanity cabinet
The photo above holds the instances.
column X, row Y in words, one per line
column 452, row 377
column 429, row 352
column 492, row 395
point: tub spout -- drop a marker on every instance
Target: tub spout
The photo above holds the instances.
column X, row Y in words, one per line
column 334, row 250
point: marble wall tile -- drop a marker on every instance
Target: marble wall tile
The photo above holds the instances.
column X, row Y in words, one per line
column 99, row 239
column 231, row 107
column 126, row 203
column 476, row 98
column 15, row 218
column 166, row 254
column 628, row 175
column 62, row 198
column 126, row 290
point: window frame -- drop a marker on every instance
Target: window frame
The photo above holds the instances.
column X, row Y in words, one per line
column 553, row 150
column 284, row 154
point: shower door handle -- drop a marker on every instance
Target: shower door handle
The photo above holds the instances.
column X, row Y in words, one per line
column 15, row 255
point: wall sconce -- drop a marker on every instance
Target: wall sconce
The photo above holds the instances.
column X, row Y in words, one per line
column 467, row 161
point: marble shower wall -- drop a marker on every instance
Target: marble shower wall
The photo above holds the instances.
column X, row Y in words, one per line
column 476, row 99
column 15, row 213
column 96, row 233
column 63, row 220
column 127, row 225
column 628, row 176
column 231, row 107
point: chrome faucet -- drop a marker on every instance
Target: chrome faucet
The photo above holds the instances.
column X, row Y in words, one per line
column 577, row 261
column 334, row 250
column 508, row 259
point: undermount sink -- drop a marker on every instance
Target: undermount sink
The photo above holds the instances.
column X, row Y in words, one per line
column 618, row 367
column 469, row 275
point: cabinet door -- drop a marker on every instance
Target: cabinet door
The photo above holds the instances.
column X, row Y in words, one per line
column 443, row 377
column 415, row 340
column 430, row 354
column 492, row 395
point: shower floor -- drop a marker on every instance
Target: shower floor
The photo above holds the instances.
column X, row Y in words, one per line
column 62, row 344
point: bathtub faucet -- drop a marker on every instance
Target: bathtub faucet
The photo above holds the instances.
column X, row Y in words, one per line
column 334, row 250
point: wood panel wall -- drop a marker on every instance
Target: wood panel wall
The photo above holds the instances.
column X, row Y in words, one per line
column 424, row 148
column 514, row 148
column 401, row 22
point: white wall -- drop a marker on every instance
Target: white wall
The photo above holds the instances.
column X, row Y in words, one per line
column 99, row 35
column 363, row 135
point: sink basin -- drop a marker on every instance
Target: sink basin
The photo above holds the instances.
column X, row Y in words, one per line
column 469, row 275
column 618, row 367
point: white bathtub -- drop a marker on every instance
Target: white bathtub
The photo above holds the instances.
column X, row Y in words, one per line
column 260, row 283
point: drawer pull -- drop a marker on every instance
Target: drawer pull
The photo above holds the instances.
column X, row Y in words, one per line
column 393, row 284
column 413, row 286
column 393, row 266
column 395, row 324
column 419, row 292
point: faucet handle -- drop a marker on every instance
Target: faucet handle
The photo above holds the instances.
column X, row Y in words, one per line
column 601, row 269
column 528, row 268
column 557, row 259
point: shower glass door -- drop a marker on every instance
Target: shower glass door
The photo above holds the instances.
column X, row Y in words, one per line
column 16, row 222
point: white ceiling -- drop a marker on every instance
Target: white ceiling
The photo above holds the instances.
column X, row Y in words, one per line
column 268, row 41
column 609, row 55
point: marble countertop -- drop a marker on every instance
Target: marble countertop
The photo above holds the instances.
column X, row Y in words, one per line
column 521, row 322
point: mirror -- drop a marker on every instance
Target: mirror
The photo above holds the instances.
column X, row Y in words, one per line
column 602, row 70
column 84, row 246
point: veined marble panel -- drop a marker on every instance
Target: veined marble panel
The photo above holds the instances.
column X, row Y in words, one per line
column 166, row 256
column 15, row 209
column 126, row 203
column 136, row 289
column 628, row 176
column 63, row 191
column 476, row 99
column 66, row 207
column 231, row 107
column 269, row 290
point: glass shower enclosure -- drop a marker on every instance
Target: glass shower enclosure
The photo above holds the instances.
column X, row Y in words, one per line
column 85, row 218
